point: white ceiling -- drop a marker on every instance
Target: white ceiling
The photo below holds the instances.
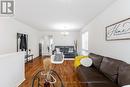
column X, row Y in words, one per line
column 59, row 14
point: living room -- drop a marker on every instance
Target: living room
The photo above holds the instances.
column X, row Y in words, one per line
column 96, row 30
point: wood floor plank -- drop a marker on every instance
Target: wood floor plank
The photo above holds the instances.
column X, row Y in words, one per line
column 65, row 70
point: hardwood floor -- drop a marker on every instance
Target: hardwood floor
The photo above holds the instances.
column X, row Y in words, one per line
column 65, row 70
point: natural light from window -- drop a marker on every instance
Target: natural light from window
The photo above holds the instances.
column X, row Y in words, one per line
column 85, row 41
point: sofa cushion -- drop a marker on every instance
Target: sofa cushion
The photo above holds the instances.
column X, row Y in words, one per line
column 97, row 59
column 110, row 68
column 90, row 75
column 124, row 75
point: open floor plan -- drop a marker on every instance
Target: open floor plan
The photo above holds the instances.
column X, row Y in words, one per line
column 65, row 43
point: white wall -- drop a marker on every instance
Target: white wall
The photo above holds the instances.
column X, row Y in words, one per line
column 117, row 49
column 61, row 40
column 12, row 69
column 9, row 28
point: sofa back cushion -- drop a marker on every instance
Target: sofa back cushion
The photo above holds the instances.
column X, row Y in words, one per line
column 97, row 59
column 110, row 68
column 124, row 75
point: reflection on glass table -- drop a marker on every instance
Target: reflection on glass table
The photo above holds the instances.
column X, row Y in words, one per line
column 39, row 79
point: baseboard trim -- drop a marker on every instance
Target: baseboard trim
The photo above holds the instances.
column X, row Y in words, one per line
column 21, row 82
column 69, row 59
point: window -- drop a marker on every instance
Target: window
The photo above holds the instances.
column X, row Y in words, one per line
column 85, row 41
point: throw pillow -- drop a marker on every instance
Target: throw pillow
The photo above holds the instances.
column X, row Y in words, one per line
column 77, row 60
column 87, row 62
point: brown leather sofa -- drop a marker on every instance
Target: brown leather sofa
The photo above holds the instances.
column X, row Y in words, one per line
column 105, row 72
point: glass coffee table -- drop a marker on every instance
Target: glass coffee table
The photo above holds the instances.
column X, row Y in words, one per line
column 39, row 80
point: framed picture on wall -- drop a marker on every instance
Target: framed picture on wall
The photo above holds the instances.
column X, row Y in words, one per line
column 118, row 31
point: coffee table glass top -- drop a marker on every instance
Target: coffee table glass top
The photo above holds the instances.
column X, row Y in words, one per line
column 39, row 80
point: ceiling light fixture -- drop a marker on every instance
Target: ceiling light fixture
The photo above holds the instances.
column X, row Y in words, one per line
column 65, row 26
column 65, row 33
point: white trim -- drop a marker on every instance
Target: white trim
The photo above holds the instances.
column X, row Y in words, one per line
column 69, row 58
